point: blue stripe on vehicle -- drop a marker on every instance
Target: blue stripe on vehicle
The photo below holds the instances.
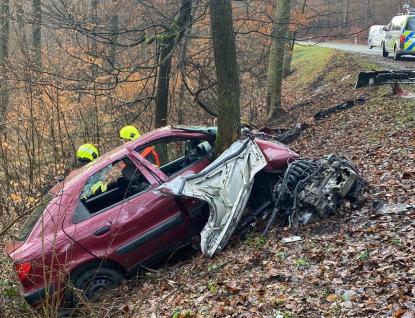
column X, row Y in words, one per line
column 410, row 48
column 409, row 36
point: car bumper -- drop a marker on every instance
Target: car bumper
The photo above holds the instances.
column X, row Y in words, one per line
column 38, row 295
column 405, row 52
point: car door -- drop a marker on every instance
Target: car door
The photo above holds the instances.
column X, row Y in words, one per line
column 388, row 36
column 394, row 33
column 137, row 229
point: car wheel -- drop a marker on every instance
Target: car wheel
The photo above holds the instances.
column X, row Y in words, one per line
column 384, row 52
column 396, row 56
column 370, row 45
column 93, row 280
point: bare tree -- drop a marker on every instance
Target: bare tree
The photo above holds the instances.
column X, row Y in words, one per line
column 167, row 44
column 4, row 57
column 224, row 49
column 37, row 35
column 276, row 57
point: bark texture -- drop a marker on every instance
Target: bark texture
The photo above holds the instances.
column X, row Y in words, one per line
column 276, row 57
column 168, row 44
column 224, row 49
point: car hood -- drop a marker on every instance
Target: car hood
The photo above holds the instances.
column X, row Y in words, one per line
column 226, row 185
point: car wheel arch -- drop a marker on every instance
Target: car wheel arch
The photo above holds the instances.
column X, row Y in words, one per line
column 96, row 263
column 94, row 266
column 396, row 56
column 384, row 52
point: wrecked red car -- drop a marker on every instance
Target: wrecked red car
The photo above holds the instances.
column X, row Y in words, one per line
column 76, row 239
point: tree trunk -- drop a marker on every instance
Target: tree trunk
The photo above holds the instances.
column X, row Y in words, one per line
column 224, row 49
column 4, row 58
column 368, row 12
column 37, row 37
column 94, row 49
column 276, row 57
column 346, row 14
column 22, row 38
column 288, row 49
column 167, row 46
column 163, row 81
column 291, row 36
column 4, row 93
column 112, row 48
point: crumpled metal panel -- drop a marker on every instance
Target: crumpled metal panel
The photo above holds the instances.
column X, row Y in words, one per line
column 385, row 77
column 226, row 185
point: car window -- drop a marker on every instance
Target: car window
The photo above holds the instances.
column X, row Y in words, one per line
column 172, row 155
column 410, row 24
column 397, row 23
column 112, row 184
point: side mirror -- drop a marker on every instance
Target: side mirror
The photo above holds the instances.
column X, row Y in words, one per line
column 385, row 28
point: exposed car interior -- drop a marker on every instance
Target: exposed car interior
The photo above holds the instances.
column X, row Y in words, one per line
column 122, row 179
column 178, row 153
column 117, row 181
column 131, row 181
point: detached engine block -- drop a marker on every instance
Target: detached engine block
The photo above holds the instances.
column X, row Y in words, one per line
column 319, row 195
column 311, row 190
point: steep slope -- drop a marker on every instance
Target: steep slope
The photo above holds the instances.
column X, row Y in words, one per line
column 359, row 264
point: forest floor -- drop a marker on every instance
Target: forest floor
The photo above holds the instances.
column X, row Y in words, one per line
column 357, row 264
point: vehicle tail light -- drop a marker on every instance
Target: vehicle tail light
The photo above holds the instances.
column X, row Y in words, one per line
column 402, row 39
column 22, row 270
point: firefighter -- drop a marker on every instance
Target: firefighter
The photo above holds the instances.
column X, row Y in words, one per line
column 129, row 133
column 86, row 153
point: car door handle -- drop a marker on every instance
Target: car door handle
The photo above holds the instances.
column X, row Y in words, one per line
column 101, row 231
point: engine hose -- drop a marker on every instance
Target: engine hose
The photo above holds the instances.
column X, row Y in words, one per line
column 307, row 164
column 273, row 217
column 297, row 173
column 292, row 180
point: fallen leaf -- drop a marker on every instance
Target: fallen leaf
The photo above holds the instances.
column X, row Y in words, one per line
column 332, row 297
column 408, row 175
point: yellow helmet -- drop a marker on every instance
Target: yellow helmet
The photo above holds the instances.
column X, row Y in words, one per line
column 87, row 152
column 129, row 133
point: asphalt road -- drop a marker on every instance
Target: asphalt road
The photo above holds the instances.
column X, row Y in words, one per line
column 354, row 48
column 349, row 47
column 373, row 55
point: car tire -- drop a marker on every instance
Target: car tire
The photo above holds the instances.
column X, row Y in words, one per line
column 384, row 52
column 396, row 56
column 92, row 280
column 370, row 46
